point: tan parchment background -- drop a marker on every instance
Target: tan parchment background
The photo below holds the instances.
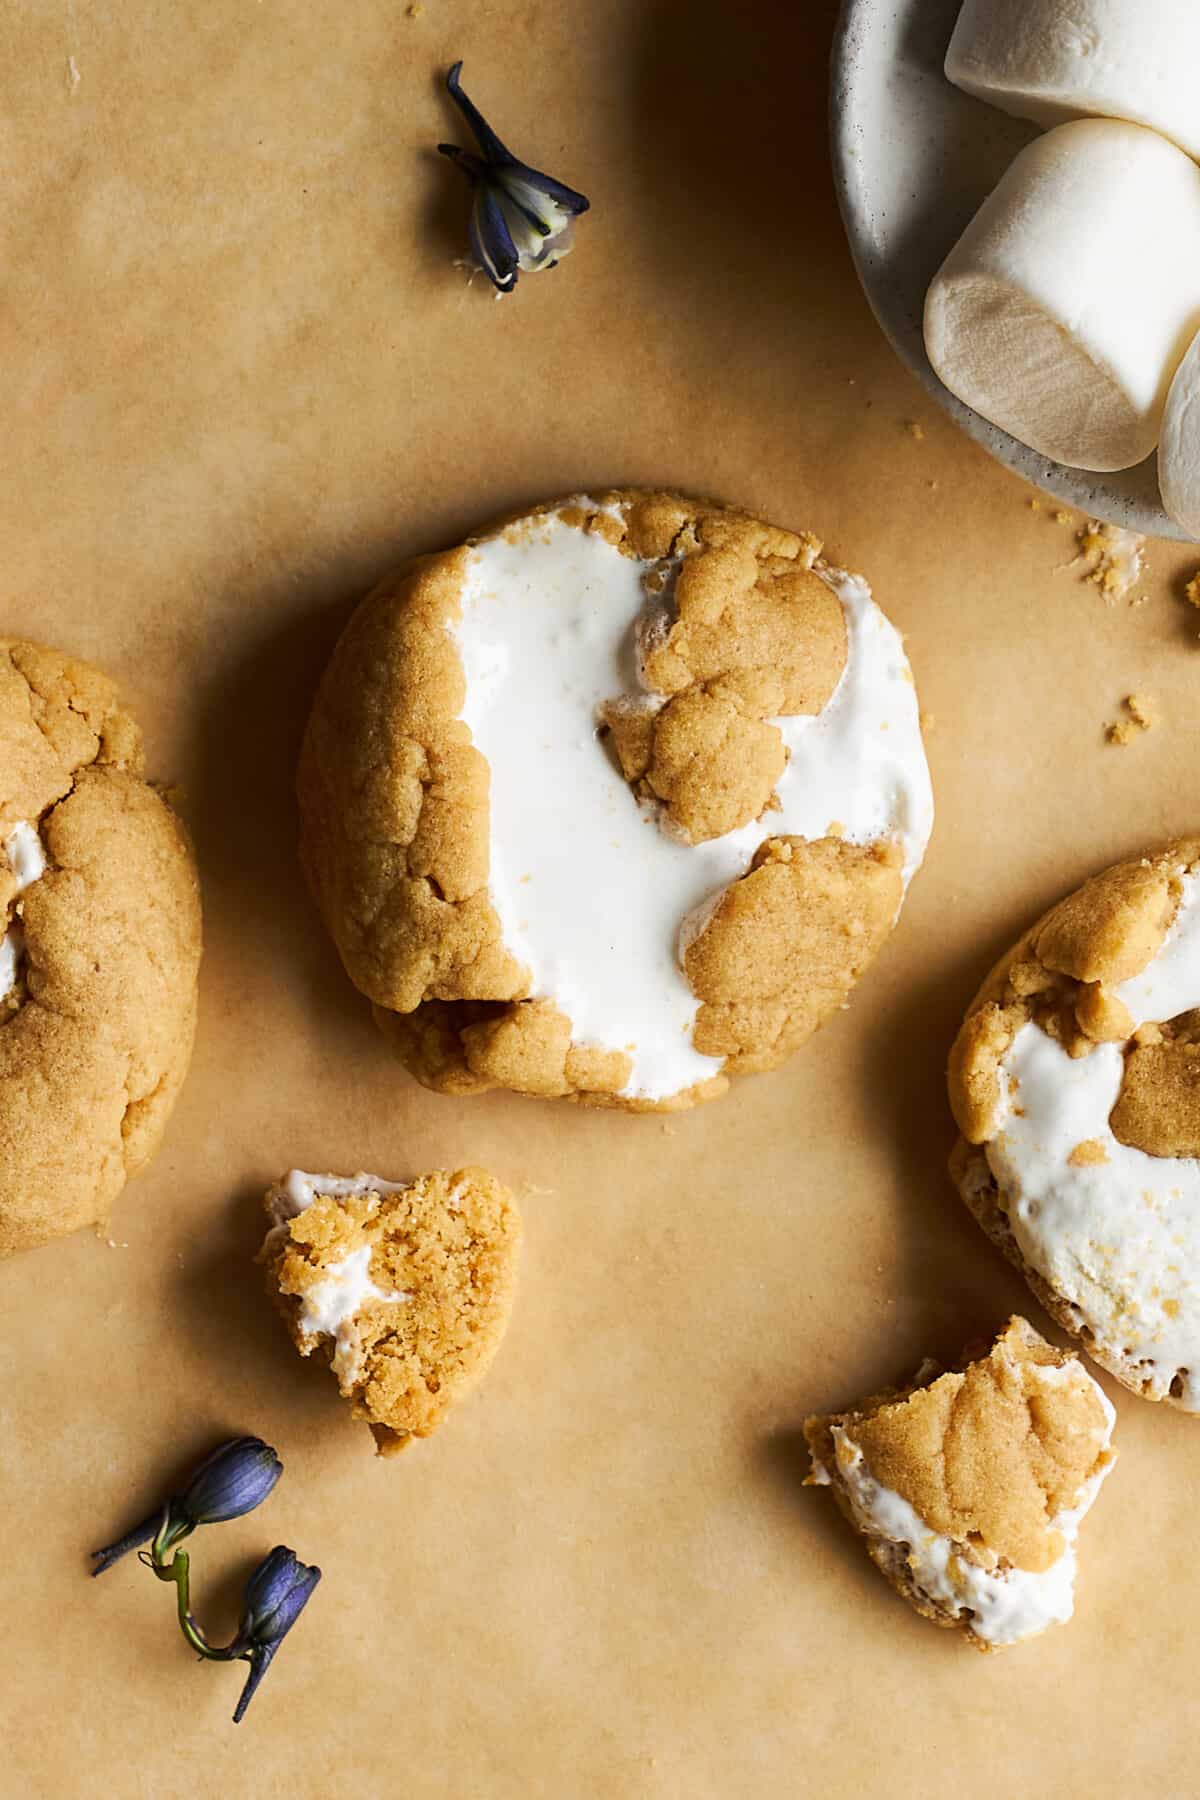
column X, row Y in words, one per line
column 239, row 377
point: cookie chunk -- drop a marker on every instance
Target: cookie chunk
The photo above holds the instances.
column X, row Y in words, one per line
column 1075, row 1082
column 613, row 801
column 99, row 952
column 405, row 1287
column 969, row 1488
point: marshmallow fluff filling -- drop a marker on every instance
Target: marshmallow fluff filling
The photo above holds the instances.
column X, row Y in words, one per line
column 1002, row 1604
column 27, row 860
column 1119, row 1238
column 593, row 897
column 329, row 1308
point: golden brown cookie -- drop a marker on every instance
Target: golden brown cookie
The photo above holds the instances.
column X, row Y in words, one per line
column 1075, row 1081
column 99, row 951
column 968, row 1488
column 613, row 801
column 405, row 1287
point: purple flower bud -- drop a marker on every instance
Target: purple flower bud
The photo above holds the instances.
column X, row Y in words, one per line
column 521, row 219
column 275, row 1596
column 235, row 1479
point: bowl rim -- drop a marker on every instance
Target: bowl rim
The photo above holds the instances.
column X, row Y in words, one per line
column 1079, row 488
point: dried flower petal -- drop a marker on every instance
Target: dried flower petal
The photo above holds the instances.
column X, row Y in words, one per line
column 521, row 219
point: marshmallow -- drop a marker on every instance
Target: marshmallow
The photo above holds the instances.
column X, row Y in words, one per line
column 27, row 860
column 1179, row 451
column 546, row 636
column 1052, row 60
column 1065, row 308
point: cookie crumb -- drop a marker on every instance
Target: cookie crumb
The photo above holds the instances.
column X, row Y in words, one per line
column 1112, row 557
column 415, row 11
column 1088, row 1154
column 1192, row 591
column 915, row 430
column 1141, row 717
column 1035, row 505
column 1062, row 516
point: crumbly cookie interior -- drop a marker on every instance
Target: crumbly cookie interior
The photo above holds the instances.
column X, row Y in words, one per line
column 406, row 1290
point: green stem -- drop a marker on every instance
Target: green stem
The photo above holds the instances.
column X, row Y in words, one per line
column 178, row 1570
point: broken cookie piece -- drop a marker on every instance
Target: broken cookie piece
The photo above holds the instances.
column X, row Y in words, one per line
column 969, row 1488
column 405, row 1287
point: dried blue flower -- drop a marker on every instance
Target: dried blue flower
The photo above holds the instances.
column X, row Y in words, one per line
column 520, row 218
column 233, row 1480
column 275, row 1596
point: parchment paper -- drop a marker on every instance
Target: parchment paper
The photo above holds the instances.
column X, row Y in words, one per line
column 240, row 378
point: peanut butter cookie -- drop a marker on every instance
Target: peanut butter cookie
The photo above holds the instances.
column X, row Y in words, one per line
column 1075, row 1081
column 613, row 801
column 99, row 953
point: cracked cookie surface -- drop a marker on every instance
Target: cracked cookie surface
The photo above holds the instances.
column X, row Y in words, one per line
column 1074, row 1083
column 100, row 952
column 968, row 1488
column 613, row 801
column 405, row 1287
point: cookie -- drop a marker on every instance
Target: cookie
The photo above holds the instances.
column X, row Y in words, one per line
column 613, row 801
column 100, row 950
column 969, row 1488
column 1075, row 1082
column 405, row 1287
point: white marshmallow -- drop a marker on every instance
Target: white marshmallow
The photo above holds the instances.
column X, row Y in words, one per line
column 1179, row 451
column 1052, row 60
column 1065, row 308
column 593, row 898
column 330, row 1308
column 27, row 860
column 26, row 857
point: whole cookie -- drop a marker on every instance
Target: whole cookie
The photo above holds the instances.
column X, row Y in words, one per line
column 99, row 953
column 406, row 1286
column 612, row 801
column 1075, row 1082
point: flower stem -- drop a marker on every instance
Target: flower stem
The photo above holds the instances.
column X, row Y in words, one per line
column 178, row 1570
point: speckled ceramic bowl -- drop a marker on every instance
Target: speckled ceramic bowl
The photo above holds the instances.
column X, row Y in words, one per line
column 913, row 159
